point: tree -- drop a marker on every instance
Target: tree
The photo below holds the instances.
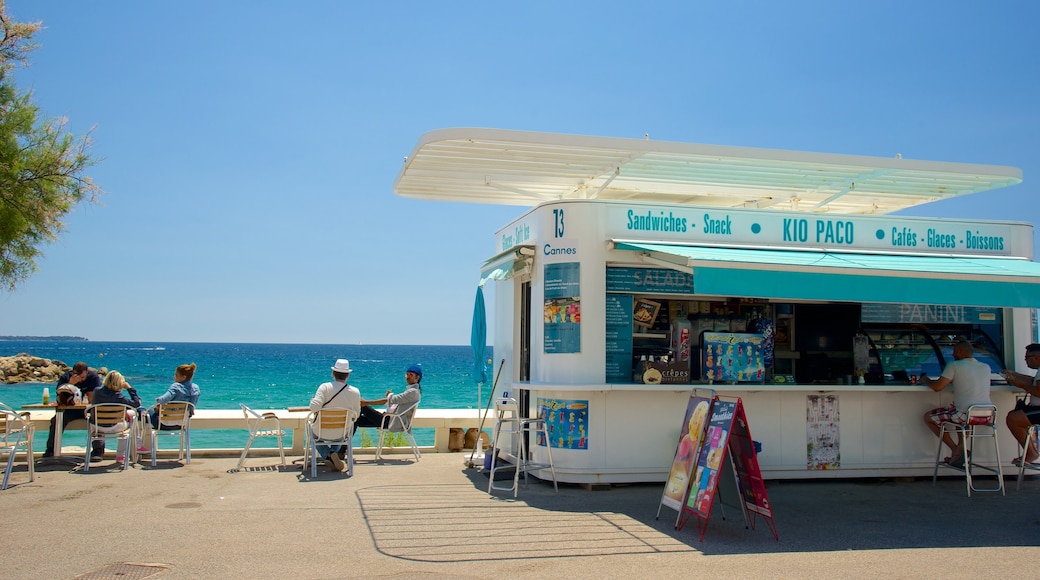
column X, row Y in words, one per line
column 41, row 164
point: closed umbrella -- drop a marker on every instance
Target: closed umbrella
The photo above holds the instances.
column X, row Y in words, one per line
column 478, row 341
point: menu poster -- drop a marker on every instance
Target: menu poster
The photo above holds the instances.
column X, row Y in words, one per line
column 619, row 338
column 562, row 309
column 691, row 435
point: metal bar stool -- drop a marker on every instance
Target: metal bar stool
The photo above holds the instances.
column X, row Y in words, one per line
column 517, row 428
column 978, row 417
column 1032, row 438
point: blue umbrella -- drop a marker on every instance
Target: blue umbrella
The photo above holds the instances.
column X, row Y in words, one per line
column 478, row 341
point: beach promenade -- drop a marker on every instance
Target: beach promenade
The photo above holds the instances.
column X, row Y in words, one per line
column 432, row 519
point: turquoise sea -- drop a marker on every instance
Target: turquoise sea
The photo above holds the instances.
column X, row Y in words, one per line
column 263, row 376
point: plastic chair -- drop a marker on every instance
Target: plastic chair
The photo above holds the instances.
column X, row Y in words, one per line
column 174, row 421
column 111, row 421
column 332, row 427
column 978, row 417
column 1032, row 438
column 519, row 429
column 266, row 425
column 16, row 431
column 400, row 421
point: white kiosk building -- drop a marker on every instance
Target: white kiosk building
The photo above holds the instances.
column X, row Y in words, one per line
column 645, row 269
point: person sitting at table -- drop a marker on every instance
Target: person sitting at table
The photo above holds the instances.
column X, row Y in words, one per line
column 969, row 380
column 336, row 395
column 87, row 381
column 112, row 392
column 370, row 417
column 1026, row 412
column 181, row 390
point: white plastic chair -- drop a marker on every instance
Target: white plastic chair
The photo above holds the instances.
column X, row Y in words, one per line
column 266, row 425
column 176, row 418
column 111, row 421
column 332, row 427
column 400, row 421
column 16, row 432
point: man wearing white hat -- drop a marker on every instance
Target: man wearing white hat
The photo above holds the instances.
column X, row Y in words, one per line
column 336, row 395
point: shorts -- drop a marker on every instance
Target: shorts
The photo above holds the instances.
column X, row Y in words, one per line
column 950, row 414
column 1032, row 413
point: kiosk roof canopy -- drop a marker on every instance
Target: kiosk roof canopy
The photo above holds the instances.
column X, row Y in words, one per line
column 497, row 166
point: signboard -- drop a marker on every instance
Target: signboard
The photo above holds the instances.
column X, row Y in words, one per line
column 649, row 281
column 619, row 338
column 567, row 421
column 691, row 434
column 749, row 475
column 819, row 232
column 929, row 314
column 727, row 436
column 562, row 311
column 736, row 357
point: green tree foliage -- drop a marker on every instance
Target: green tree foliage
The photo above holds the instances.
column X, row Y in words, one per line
column 41, row 164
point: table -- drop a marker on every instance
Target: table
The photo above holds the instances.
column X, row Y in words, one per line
column 59, row 414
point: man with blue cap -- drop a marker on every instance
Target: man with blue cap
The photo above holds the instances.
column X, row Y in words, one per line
column 370, row 417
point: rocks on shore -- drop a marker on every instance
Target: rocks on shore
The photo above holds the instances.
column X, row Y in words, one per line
column 26, row 368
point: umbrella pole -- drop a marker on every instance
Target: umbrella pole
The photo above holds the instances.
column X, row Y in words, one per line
column 480, row 442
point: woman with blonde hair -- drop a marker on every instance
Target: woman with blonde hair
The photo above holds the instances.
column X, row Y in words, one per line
column 181, row 390
column 112, row 392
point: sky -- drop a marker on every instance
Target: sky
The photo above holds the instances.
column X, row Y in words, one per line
column 248, row 150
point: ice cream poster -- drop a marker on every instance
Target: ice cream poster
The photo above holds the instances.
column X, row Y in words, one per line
column 733, row 357
column 709, row 460
column 691, row 432
column 822, row 424
column 567, row 422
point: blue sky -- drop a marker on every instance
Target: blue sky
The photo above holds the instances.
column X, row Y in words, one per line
column 249, row 149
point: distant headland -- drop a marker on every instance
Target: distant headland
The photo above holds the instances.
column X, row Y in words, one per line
column 46, row 338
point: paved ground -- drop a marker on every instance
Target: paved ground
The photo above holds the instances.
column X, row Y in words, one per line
column 434, row 519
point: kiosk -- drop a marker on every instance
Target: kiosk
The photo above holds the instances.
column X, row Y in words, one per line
column 645, row 269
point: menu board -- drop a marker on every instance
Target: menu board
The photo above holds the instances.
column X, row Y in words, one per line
column 691, row 434
column 745, row 464
column 619, row 338
column 727, row 434
column 562, row 311
column 709, row 460
column 735, row 357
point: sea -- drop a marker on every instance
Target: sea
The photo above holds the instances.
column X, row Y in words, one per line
column 263, row 376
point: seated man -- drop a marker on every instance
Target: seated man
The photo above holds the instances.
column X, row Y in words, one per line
column 336, row 395
column 1026, row 413
column 412, row 394
column 969, row 380
column 86, row 380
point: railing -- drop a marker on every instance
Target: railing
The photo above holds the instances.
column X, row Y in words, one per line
column 441, row 420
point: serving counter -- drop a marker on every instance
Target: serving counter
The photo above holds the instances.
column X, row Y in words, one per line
column 806, row 431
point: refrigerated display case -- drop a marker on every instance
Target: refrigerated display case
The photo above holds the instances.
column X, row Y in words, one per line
column 901, row 354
